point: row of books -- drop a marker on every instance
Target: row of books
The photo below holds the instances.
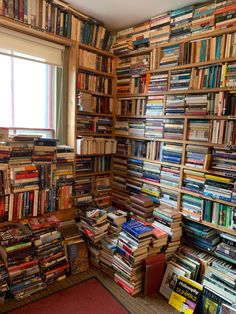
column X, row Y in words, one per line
column 133, row 65
column 90, row 124
column 175, row 25
column 94, row 61
column 93, row 83
column 92, row 164
column 89, row 103
column 89, row 145
column 207, row 49
column 58, row 18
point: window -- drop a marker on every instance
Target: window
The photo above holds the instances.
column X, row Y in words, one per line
column 30, row 84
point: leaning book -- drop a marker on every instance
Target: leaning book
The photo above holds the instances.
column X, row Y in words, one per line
column 186, row 295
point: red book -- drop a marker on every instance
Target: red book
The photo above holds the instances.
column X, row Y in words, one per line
column 154, row 272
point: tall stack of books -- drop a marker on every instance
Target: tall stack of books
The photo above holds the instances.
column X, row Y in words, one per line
column 175, row 104
column 192, row 207
column 158, row 83
column 151, row 171
column 223, row 160
column 3, row 281
column 170, row 176
column 199, row 129
column 131, row 250
column 170, row 56
column 64, row 176
column 203, row 18
column 44, row 150
column 136, row 127
column 168, row 197
column 173, row 129
column 159, row 241
column 218, row 187
column 198, row 156
column 154, row 106
column 201, row 236
column 140, row 36
column 180, row 80
column 169, row 220
column 171, row 153
column 49, row 249
column 115, row 218
column 21, row 150
column 193, row 181
column 226, row 248
column 18, row 254
column 196, row 104
column 123, row 42
column 102, row 186
column 225, row 14
column 180, row 22
column 230, row 80
column 140, row 64
column 159, row 29
column 141, row 207
column 154, row 128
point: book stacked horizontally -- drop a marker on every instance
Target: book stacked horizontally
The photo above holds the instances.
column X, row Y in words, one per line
column 154, row 105
column 44, row 150
column 226, row 249
column 131, row 250
column 203, row 18
column 169, row 220
column 93, row 224
column 225, row 14
column 159, row 29
column 123, row 42
column 48, row 248
column 201, row 236
column 141, row 207
column 175, row 104
column 180, row 23
column 115, row 218
column 140, row 36
column 21, row 149
column 64, row 176
column 159, row 241
column 18, row 254
column 3, row 281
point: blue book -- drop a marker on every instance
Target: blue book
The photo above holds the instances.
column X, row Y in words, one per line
column 203, row 51
column 137, row 229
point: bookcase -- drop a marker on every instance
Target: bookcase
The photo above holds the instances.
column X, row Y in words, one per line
column 175, row 126
column 95, row 144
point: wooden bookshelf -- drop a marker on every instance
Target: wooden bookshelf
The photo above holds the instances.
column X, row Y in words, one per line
column 83, row 68
column 211, row 144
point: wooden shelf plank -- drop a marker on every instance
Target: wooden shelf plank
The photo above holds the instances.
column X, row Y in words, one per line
column 94, row 93
column 97, row 50
column 97, row 72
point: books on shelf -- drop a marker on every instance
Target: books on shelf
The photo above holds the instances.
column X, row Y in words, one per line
column 94, row 83
column 93, row 146
column 203, row 18
column 94, row 61
column 131, row 106
column 88, row 103
column 154, row 105
column 159, row 29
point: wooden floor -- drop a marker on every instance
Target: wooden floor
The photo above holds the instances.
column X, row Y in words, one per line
column 136, row 305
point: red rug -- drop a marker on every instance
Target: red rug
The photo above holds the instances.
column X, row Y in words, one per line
column 87, row 297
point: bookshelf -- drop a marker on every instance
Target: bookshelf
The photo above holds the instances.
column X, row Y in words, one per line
column 94, row 133
column 135, row 127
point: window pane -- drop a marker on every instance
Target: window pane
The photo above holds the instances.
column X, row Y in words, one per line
column 5, row 92
column 31, row 84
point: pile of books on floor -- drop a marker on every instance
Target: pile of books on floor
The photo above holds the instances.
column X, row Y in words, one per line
column 18, row 254
column 132, row 249
column 226, row 248
column 200, row 236
column 3, row 281
column 159, row 241
column 169, row 220
column 109, row 243
column 48, row 248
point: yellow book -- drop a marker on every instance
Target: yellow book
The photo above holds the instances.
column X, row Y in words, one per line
column 185, row 295
column 216, row 178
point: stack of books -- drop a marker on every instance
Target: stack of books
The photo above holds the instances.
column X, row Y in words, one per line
column 196, row 105
column 44, row 150
column 5, row 151
column 226, row 249
column 170, row 56
column 21, row 150
column 225, row 14
column 93, row 224
column 159, row 241
column 199, row 129
column 203, row 18
column 83, row 165
column 83, row 186
column 141, row 207
column 140, row 64
column 230, row 79
column 140, row 36
column 136, row 127
column 169, row 220
column 151, row 171
column 173, row 129
column 85, row 124
column 159, row 29
column 135, row 167
column 122, row 127
column 224, row 160
column 123, row 85
column 168, row 197
column 171, row 153
column 170, row 176
column 154, row 128
column 152, row 191
column 123, row 42
column 3, row 282
column 18, row 254
column 192, row 207
column 103, row 125
column 179, row 80
column 198, row 156
column 201, row 236
column 193, row 181
column 158, row 83
column 218, row 187
column 123, row 67
column 154, row 106
column 175, row 105
column 131, row 250
column 102, row 186
column 133, row 186
column 49, row 249
column 180, row 22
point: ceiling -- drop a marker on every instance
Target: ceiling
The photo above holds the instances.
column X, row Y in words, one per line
column 120, row 14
